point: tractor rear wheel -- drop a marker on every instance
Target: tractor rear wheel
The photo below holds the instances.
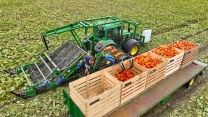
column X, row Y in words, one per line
column 131, row 47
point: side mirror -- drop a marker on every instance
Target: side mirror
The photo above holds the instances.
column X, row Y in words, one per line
column 147, row 35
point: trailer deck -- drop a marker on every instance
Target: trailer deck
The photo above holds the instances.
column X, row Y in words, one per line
column 157, row 93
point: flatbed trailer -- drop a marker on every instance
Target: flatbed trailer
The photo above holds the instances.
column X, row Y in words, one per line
column 159, row 92
column 152, row 96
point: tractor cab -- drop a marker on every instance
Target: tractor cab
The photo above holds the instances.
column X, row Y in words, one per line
column 113, row 31
column 107, row 31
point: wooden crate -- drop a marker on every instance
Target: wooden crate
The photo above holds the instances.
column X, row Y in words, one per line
column 173, row 63
column 96, row 94
column 157, row 73
column 133, row 86
column 189, row 57
column 141, row 82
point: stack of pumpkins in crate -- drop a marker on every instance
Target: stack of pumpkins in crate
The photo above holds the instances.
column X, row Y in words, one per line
column 154, row 64
column 190, row 51
column 176, row 56
column 113, row 87
column 133, row 80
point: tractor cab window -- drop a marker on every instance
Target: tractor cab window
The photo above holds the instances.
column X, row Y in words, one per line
column 113, row 33
column 100, row 33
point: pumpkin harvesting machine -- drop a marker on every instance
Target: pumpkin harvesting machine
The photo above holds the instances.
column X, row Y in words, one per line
column 50, row 70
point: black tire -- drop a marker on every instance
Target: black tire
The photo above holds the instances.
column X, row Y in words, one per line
column 129, row 45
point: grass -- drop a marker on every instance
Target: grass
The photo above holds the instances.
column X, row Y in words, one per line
column 23, row 22
column 197, row 106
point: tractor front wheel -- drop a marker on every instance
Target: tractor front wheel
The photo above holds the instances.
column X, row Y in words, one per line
column 131, row 47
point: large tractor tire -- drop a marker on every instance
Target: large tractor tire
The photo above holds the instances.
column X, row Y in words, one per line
column 131, row 47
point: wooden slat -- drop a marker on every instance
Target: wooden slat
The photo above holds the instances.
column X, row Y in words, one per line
column 104, row 100
column 109, row 82
column 95, row 79
column 189, row 57
column 127, row 92
column 95, row 92
column 128, row 87
column 78, row 82
column 106, row 85
column 100, row 107
column 80, row 98
column 103, row 95
column 110, row 109
column 112, row 79
column 95, row 85
column 158, row 76
column 88, row 92
column 105, row 106
column 82, row 90
column 79, row 87
column 78, row 103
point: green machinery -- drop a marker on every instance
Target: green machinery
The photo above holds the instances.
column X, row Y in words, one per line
column 52, row 69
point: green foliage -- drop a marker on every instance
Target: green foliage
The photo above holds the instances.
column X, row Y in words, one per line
column 197, row 106
column 47, row 104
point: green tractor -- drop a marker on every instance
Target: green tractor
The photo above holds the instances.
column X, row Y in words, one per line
column 102, row 35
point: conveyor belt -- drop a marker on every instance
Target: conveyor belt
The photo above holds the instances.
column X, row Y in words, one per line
column 61, row 58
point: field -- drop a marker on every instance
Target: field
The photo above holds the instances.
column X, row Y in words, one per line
column 23, row 21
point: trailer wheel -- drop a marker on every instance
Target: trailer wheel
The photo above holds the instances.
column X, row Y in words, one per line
column 190, row 82
column 131, row 47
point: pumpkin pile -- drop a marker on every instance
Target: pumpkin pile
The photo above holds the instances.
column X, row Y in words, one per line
column 166, row 51
column 183, row 45
column 147, row 61
column 113, row 51
column 124, row 76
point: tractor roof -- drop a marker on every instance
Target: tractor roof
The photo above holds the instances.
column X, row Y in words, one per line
column 105, row 22
column 108, row 26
